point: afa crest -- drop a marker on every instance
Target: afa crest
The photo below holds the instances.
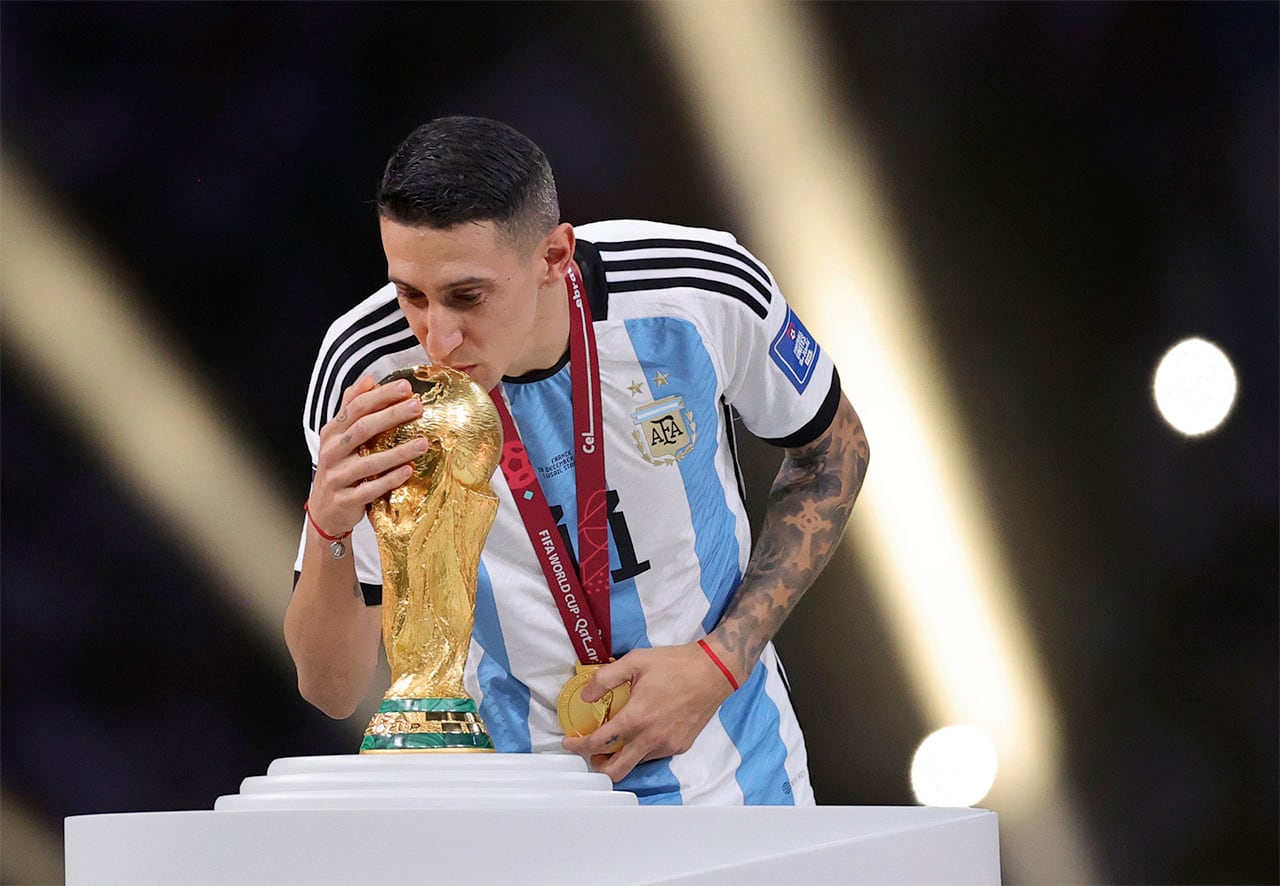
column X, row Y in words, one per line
column 664, row 431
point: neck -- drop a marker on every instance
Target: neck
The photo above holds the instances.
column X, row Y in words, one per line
column 550, row 334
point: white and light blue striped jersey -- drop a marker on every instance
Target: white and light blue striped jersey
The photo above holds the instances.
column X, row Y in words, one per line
column 687, row 324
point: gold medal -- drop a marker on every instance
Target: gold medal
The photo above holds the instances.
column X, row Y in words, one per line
column 578, row 717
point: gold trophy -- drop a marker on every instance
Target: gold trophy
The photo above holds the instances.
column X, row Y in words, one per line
column 430, row 533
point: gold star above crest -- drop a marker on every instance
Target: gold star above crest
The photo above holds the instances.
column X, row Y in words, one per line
column 635, row 388
column 660, row 380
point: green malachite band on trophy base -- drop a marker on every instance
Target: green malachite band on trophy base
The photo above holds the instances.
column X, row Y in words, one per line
column 423, row 741
column 456, row 705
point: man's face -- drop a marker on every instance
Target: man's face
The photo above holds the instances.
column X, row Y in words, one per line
column 470, row 297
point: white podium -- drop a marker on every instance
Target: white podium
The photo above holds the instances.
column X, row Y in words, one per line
column 514, row 819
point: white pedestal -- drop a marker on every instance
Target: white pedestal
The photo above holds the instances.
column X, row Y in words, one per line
column 434, row 780
column 274, row 833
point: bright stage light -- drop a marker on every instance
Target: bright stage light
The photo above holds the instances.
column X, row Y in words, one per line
column 955, row 766
column 1194, row 386
column 805, row 188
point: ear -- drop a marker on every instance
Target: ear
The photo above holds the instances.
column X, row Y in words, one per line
column 556, row 250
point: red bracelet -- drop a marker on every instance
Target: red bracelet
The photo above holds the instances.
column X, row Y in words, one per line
column 337, row 549
column 727, row 674
column 306, row 506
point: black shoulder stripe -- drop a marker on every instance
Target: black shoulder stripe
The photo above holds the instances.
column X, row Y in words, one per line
column 700, row 245
column 326, row 388
column 729, row 289
column 334, row 384
column 327, row 363
column 677, row 263
column 816, row 426
column 407, row 340
column 588, row 259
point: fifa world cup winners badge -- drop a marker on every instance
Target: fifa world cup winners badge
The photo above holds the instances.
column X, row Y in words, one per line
column 794, row 351
column 431, row 531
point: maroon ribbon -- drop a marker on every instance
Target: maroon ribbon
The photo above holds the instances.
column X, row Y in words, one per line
column 581, row 597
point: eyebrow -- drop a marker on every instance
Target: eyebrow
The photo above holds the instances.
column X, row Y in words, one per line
column 452, row 284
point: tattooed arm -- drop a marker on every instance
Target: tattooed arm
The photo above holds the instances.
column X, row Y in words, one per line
column 677, row 689
column 812, row 497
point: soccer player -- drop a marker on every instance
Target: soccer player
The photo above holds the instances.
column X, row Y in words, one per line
column 621, row 351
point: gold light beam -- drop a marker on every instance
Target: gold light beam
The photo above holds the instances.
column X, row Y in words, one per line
column 141, row 407
column 29, row 851
column 803, row 183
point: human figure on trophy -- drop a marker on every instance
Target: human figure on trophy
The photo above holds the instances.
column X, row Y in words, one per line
column 621, row 609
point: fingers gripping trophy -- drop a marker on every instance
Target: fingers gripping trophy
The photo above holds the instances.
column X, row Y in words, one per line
column 431, row 531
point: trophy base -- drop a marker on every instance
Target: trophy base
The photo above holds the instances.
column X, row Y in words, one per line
column 426, row 725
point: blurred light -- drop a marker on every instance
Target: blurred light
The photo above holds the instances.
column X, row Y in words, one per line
column 142, row 407
column 1194, row 387
column 795, row 168
column 30, row 851
column 955, row 766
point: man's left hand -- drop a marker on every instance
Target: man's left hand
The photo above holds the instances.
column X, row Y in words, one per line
column 675, row 690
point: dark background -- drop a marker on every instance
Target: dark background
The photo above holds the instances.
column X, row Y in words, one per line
column 1079, row 186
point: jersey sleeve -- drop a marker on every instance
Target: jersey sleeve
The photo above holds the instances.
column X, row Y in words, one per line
column 779, row 379
column 363, row 543
column 771, row 367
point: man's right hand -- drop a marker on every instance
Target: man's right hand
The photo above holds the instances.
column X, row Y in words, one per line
column 331, row 633
column 345, row 481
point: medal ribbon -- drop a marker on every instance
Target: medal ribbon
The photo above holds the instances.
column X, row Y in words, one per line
column 581, row 597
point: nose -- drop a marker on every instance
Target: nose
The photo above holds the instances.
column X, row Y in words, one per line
column 443, row 334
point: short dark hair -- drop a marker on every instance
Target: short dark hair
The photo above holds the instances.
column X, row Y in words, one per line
column 470, row 169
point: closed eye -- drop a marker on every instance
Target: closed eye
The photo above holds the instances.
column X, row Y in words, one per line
column 466, row 299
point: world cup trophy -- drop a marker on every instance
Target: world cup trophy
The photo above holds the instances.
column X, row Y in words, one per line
column 431, row 531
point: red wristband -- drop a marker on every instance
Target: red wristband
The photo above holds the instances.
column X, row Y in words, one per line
column 715, row 658
column 306, row 506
